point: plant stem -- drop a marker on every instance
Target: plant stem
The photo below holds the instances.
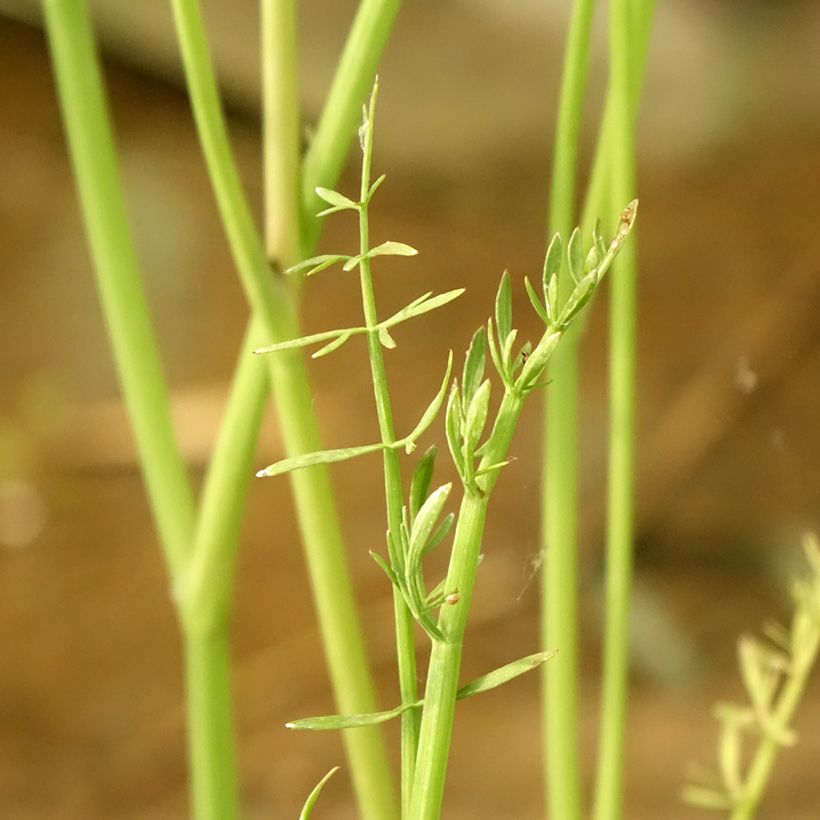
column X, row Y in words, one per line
column 394, row 493
column 445, row 660
column 559, row 586
column 620, row 500
column 210, row 726
column 91, row 146
column 274, row 306
column 352, row 82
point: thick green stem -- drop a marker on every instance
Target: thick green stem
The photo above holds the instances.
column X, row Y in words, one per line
column 394, row 493
column 445, row 660
column 210, row 725
column 559, row 585
column 91, row 145
column 620, row 497
column 274, row 306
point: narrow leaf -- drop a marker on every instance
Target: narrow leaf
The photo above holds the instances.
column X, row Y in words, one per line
column 492, row 468
column 551, row 295
column 537, row 360
column 336, row 199
column 506, row 350
column 288, row 465
column 476, row 419
column 307, row 809
column 552, row 260
column 453, row 427
column 575, row 255
column 536, row 302
column 578, row 298
column 420, row 482
column 317, row 263
column 504, row 674
column 392, row 249
column 474, row 365
column 421, row 305
column 375, row 186
column 703, row 797
column 431, row 412
column 440, row 534
column 352, row 262
column 386, row 568
column 495, row 354
column 325, row 722
column 315, row 338
column 329, row 348
column 592, row 260
column 385, row 338
column 503, row 307
column 424, row 523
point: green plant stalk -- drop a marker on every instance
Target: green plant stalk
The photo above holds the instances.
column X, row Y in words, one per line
column 762, row 763
column 352, row 82
column 394, row 493
column 621, row 467
column 274, row 306
column 445, row 660
column 210, row 726
column 559, row 577
column 91, row 146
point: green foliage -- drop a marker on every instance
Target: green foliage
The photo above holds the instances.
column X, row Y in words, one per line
column 307, row 809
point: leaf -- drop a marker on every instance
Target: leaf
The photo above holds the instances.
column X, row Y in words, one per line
column 703, row 797
column 307, row 809
column 575, row 255
column 538, row 359
column 392, row 249
column 598, row 239
column 476, row 419
column 536, row 302
column 431, row 412
column 316, row 338
column 495, row 354
column 552, row 260
column 592, row 260
column 385, row 338
column 503, row 307
column 288, row 465
column 506, row 350
column 421, row 305
column 492, row 468
column 329, row 348
column 440, row 534
column 386, row 568
column 352, row 262
column 317, row 263
column 504, row 674
column 325, row 722
column 453, row 427
column 551, row 296
column 578, row 298
column 420, row 482
column 474, row 365
column 424, row 523
column 375, row 186
column 336, row 199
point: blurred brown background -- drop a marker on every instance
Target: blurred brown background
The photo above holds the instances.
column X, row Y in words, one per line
column 90, row 710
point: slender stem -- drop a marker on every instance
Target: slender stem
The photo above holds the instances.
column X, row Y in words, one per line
column 340, row 118
column 445, row 660
column 91, row 145
column 620, row 501
column 273, row 303
column 210, row 726
column 559, row 588
column 394, row 493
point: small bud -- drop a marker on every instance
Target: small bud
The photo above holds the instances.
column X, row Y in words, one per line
column 452, row 599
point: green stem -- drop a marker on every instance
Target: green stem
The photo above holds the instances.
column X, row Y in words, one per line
column 445, row 660
column 620, row 500
column 352, row 82
column 91, row 145
column 394, row 493
column 210, row 726
column 274, row 306
column 559, row 583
